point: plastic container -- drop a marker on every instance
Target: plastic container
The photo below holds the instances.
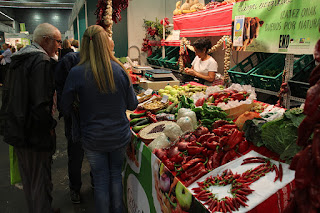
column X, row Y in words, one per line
column 241, row 72
column 299, row 83
column 259, row 80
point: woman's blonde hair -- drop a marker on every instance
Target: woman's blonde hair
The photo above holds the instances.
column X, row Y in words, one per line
column 96, row 50
column 66, row 44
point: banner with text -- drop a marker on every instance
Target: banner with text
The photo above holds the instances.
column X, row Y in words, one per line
column 276, row 26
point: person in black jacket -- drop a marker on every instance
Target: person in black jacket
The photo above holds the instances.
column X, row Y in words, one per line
column 27, row 122
column 71, row 127
column 66, row 48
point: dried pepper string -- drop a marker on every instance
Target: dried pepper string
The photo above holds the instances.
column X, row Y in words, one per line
column 239, row 185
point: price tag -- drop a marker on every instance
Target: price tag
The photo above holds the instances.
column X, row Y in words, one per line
column 164, row 99
column 148, row 92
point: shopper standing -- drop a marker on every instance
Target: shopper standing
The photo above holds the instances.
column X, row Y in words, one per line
column 66, row 48
column 71, row 127
column 75, row 45
column 28, row 123
column 5, row 58
column 105, row 93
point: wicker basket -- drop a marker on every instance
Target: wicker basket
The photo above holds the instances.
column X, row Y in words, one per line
column 155, row 105
column 142, row 97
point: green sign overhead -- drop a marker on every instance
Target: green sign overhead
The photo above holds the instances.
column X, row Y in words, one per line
column 276, row 26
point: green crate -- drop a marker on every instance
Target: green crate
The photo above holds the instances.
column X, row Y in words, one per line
column 276, row 61
column 299, row 83
column 241, row 72
column 302, row 62
column 173, row 63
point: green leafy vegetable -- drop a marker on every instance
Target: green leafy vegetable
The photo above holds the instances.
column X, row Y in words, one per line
column 280, row 135
column 252, row 130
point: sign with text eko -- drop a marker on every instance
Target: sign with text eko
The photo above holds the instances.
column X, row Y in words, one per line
column 277, row 26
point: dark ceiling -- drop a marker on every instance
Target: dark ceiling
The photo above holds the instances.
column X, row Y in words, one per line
column 9, row 5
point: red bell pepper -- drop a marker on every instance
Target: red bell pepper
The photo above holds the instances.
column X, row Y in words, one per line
column 224, row 140
column 216, row 159
column 219, row 123
column 219, row 131
column 214, row 138
column 182, row 146
column 177, row 158
column 229, row 126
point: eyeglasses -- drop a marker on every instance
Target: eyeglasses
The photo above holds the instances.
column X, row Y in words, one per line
column 59, row 41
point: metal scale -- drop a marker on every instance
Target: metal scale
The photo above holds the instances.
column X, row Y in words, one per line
column 159, row 75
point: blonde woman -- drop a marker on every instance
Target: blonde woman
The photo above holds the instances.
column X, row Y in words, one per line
column 105, row 93
column 75, row 45
column 65, row 48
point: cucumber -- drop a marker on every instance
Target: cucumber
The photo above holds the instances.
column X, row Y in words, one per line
column 137, row 115
column 137, row 120
column 138, row 128
column 161, row 111
column 168, row 110
column 143, row 122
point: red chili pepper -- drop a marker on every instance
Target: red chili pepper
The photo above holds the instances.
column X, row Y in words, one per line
column 223, row 206
column 255, row 158
column 228, row 207
column 218, row 205
column 241, row 202
column 228, row 156
column 212, row 145
column 169, row 164
column 242, row 197
column 243, row 146
column 191, row 162
column 204, row 137
column 219, row 123
column 192, row 171
column 193, row 150
column 213, row 205
column 219, row 131
column 151, row 116
column 277, row 172
column 213, row 138
column 253, row 161
column 235, row 138
column 196, row 177
column 223, row 140
column 229, row 203
column 229, row 126
column 235, row 203
column 240, row 192
column 281, row 172
column 177, row 158
column 237, row 96
column 182, row 146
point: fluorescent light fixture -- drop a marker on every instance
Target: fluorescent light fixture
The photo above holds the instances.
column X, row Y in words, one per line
column 6, row 16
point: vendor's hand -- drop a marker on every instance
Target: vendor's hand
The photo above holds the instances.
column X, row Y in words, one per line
column 190, row 71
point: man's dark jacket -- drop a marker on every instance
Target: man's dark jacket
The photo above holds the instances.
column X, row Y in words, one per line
column 26, row 112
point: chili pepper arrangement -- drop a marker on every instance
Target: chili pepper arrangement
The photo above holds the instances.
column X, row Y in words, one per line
column 226, row 96
column 201, row 151
column 239, row 185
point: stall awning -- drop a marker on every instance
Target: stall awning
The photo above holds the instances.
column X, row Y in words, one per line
column 211, row 22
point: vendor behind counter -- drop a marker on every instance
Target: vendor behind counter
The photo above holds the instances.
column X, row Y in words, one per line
column 204, row 67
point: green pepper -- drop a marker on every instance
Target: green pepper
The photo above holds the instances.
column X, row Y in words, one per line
column 190, row 101
column 179, row 106
column 184, row 101
column 197, row 109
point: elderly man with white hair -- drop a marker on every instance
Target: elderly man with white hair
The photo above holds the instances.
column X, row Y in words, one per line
column 26, row 110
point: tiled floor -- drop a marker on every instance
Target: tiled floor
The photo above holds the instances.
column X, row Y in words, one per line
column 12, row 199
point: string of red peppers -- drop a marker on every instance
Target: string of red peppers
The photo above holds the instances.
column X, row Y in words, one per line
column 239, row 185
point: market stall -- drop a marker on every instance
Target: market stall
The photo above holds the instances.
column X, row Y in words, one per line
column 218, row 149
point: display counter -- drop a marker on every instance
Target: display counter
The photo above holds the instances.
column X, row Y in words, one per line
column 143, row 192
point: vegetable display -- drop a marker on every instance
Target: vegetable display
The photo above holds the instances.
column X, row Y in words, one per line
column 198, row 152
column 240, row 185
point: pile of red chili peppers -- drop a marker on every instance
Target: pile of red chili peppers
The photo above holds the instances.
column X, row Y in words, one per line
column 201, row 151
column 239, row 185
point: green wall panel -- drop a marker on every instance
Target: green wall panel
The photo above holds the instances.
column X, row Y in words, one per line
column 82, row 22
column 75, row 30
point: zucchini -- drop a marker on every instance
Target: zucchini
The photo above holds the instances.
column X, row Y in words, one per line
column 161, row 111
column 137, row 120
column 137, row 115
column 143, row 122
column 138, row 128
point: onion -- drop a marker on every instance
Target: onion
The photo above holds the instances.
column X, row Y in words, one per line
column 164, row 182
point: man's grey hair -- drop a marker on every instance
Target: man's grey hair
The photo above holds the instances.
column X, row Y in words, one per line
column 42, row 30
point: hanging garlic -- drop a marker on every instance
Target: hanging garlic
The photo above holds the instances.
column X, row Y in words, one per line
column 108, row 18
